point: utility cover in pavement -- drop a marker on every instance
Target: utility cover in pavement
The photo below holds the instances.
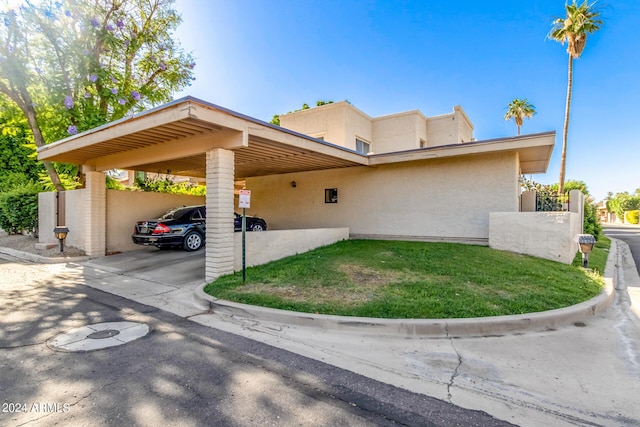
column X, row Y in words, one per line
column 98, row 336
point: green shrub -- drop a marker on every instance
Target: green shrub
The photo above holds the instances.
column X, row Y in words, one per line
column 631, row 217
column 113, row 184
column 19, row 209
column 591, row 220
column 167, row 185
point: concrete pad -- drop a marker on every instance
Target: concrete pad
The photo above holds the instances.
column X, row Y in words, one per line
column 168, row 267
column 182, row 301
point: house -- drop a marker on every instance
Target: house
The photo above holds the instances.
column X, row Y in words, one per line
column 331, row 169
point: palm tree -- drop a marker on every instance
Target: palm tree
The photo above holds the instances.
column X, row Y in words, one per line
column 519, row 109
column 581, row 19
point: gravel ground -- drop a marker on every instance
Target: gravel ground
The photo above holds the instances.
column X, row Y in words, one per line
column 27, row 243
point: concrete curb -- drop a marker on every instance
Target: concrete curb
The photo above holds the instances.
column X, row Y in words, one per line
column 444, row 328
column 627, row 277
column 27, row 256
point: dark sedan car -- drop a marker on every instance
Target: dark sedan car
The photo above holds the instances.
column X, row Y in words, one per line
column 184, row 227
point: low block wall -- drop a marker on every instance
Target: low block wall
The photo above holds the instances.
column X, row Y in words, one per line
column 548, row 235
column 73, row 217
column 46, row 217
column 125, row 208
column 265, row 246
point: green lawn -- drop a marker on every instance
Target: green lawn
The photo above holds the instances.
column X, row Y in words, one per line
column 393, row 279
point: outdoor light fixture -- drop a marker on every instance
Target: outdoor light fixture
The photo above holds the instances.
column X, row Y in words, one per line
column 61, row 234
column 585, row 246
column 293, row 184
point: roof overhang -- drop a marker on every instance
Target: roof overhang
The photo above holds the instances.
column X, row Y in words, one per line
column 534, row 151
column 175, row 137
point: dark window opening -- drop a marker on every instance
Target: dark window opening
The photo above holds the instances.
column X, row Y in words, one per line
column 331, row 195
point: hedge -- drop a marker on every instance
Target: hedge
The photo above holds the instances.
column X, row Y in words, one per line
column 19, row 210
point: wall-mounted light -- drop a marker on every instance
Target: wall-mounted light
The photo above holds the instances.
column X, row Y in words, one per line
column 293, row 184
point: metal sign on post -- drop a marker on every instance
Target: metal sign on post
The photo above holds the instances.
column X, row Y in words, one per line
column 244, row 202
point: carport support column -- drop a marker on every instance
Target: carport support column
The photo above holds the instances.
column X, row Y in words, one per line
column 220, row 237
column 95, row 214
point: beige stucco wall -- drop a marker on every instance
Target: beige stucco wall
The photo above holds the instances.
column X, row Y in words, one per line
column 546, row 235
column 263, row 247
column 338, row 123
column 452, row 128
column 440, row 198
column 46, row 217
column 464, row 125
column 341, row 123
column 74, row 217
column 399, row 132
column 125, row 208
column 528, row 201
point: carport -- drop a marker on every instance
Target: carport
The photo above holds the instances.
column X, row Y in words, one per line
column 191, row 137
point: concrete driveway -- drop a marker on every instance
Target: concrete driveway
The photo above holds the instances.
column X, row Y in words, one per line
column 165, row 278
column 169, row 267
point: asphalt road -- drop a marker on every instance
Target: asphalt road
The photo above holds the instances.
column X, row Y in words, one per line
column 631, row 236
column 180, row 374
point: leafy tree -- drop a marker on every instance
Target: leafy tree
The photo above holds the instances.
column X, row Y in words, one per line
column 518, row 110
column 276, row 117
column 18, row 164
column 166, row 184
column 581, row 20
column 73, row 65
column 622, row 202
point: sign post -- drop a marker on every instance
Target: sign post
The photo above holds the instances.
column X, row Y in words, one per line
column 244, row 202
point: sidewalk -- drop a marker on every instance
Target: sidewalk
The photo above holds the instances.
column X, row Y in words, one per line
column 582, row 371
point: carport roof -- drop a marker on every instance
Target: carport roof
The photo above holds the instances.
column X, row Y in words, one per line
column 174, row 138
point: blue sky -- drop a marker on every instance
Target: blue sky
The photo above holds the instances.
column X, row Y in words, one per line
column 263, row 57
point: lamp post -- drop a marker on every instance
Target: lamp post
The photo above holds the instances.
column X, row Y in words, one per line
column 61, row 234
column 585, row 246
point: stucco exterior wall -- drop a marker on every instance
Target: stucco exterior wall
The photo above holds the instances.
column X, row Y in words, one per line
column 546, row 235
column 125, row 208
column 432, row 199
column 441, row 130
column 399, row 132
column 263, row 247
column 464, row 126
column 338, row 123
column 341, row 123
column 528, row 201
column 46, row 217
column 74, row 217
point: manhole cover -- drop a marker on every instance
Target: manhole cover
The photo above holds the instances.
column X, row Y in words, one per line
column 98, row 336
column 107, row 333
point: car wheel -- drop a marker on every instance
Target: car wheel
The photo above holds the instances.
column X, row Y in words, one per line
column 257, row 227
column 192, row 241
